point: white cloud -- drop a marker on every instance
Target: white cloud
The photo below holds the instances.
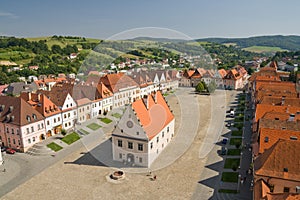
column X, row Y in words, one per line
column 8, row 15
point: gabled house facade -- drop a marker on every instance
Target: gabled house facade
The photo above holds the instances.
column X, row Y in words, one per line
column 145, row 129
column 21, row 126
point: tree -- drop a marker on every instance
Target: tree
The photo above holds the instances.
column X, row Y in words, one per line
column 200, row 87
column 56, row 49
column 211, row 87
column 63, row 132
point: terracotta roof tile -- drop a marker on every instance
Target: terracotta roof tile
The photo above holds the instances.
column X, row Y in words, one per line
column 269, row 137
column 281, row 155
column 154, row 113
column 262, row 109
column 15, row 110
column 115, row 82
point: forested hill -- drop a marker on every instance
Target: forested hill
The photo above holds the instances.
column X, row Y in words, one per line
column 291, row 43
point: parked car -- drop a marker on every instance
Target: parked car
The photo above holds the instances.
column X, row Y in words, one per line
column 224, row 141
column 10, row 151
column 229, row 124
column 223, row 151
column 3, row 149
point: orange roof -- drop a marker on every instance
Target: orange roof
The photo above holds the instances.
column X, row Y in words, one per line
column 280, row 101
column 103, row 91
column 269, row 85
column 262, row 109
column 154, row 113
column 273, row 136
column 115, row 82
column 280, row 161
column 222, row 72
column 48, row 80
column 83, row 101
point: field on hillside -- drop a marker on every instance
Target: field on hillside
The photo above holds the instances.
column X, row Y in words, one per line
column 263, row 49
column 50, row 41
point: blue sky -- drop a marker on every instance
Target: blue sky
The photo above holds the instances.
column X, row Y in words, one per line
column 196, row 18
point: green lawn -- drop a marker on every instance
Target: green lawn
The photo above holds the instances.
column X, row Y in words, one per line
column 233, row 152
column 239, row 126
column 261, row 49
column 106, row 120
column 227, row 191
column 116, row 115
column 230, row 177
column 55, row 147
column 237, row 133
column 234, row 141
column 70, row 138
column 84, row 131
column 231, row 162
column 94, row 126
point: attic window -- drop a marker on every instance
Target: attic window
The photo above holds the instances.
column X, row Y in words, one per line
column 298, row 112
column 266, row 139
column 293, row 138
column 283, row 128
column 286, row 169
column 34, row 116
column 276, row 118
column 137, row 133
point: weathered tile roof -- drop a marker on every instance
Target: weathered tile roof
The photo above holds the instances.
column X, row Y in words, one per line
column 280, row 161
column 15, row 110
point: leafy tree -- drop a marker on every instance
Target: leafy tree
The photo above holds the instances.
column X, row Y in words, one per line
column 211, row 87
column 200, row 87
column 56, row 49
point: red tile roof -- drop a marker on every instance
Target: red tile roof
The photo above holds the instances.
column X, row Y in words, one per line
column 154, row 113
column 15, row 110
column 115, row 82
column 273, row 136
column 262, row 109
column 284, row 154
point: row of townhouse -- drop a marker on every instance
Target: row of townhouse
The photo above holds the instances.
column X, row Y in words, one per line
column 235, row 78
column 275, row 135
column 66, row 104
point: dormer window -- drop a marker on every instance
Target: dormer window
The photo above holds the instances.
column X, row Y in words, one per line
column 28, row 118
column 293, row 138
column 266, row 139
column 276, row 118
column 34, row 116
column 286, row 169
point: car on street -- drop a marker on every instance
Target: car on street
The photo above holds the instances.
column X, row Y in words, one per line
column 3, row 149
column 229, row 124
column 223, row 151
column 10, row 151
column 224, row 141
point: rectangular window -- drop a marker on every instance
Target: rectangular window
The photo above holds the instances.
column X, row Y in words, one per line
column 14, row 141
column 65, row 116
column 39, row 127
column 29, row 141
column 7, row 130
column 140, row 159
column 69, row 115
column 54, row 120
column 163, row 134
column 130, row 145
column 27, row 129
column 140, row 147
column 33, row 139
column 120, row 144
column 19, row 142
column 151, row 145
column 42, row 125
column 286, row 189
column 48, row 122
column 168, row 129
column 58, row 119
column 32, row 129
column 66, row 124
column 12, row 131
column 120, row 155
column 74, row 112
column 8, row 140
column 157, row 139
column 17, row 131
